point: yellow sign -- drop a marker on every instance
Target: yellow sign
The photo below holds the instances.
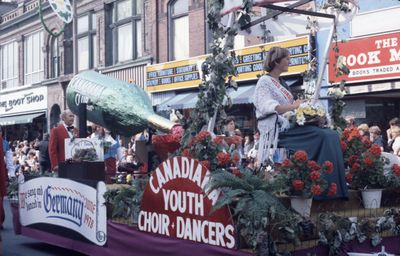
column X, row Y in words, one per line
column 248, row 62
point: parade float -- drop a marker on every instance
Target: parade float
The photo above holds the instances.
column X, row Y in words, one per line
column 198, row 199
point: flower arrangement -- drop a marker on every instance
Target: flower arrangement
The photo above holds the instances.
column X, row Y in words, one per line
column 302, row 177
column 215, row 152
column 364, row 163
column 308, row 113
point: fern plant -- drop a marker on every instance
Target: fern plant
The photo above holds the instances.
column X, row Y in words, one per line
column 259, row 213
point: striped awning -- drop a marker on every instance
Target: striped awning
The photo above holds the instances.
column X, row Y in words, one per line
column 243, row 95
column 19, row 119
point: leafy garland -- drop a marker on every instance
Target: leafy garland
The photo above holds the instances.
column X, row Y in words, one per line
column 216, row 68
column 336, row 229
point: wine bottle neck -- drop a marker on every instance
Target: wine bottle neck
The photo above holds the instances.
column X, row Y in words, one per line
column 160, row 123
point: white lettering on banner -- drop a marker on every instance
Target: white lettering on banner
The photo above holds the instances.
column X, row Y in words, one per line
column 33, row 99
column 374, row 71
column 154, row 222
column 362, row 59
column 385, row 43
column 185, row 170
column 65, row 203
column 183, row 201
column 394, row 55
column 195, row 230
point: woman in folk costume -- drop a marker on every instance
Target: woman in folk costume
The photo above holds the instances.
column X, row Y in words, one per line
column 272, row 100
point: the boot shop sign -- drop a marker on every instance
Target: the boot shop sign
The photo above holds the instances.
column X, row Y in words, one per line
column 371, row 58
column 23, row 101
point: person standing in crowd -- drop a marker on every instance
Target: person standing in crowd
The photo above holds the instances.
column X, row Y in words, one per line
column 44, row 158
column 350, row 121
column 375, row 136
column 394, row 122
column 229, row 126
column 58, row 134
column 363, row 130
column 396, row 140
column 3, row 182
column 8, row 154
column 271, row 101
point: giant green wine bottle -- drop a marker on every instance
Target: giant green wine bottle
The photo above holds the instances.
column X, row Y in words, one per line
column 119, row 106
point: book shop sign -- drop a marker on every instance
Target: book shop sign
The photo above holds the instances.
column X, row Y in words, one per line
column 371, row 58
column 176, row 203
column 65, row 203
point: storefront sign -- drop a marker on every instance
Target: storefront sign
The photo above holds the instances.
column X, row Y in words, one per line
column 175, row 203
column 88, row 149
column 65, row 203
column 368, row 59
column 23, row 101
column 249, row 63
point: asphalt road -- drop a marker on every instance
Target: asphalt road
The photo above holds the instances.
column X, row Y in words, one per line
column 18, row 245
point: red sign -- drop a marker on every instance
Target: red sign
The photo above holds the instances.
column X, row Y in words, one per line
column 370, row 58
column 176, row 203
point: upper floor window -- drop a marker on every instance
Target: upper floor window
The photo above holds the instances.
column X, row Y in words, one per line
column 9, row 65
column 33, row 58
column 54, row 58
column 87, row 42
column 127, row 25
column 179, row 30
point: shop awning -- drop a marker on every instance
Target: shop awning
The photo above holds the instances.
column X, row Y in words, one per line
column 243, row 95
column 19, row 119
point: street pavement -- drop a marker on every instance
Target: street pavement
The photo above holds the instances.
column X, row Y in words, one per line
column 18, row 245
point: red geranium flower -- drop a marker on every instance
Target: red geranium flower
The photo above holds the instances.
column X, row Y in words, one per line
column 202, row 135
column 298, row 185
column 365, row 140
column 353, row 159
column 186, row 152
column 236, row 172
column 235, row 158
column 286, row 163
column 349, row 177
column 355, row 167
column 329, row 167
column 314, row 175
column 375, row 150
column 218, row 140
column 316, row 190
column 396, row 169
column 368, row 161
column 343, row 145
column 300, row 156
column 223, row 158
column 332, row 189
column 313, row 165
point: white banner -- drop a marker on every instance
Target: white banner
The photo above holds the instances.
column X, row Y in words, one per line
column 65, row 203
column 23, row 101
column 88, row 149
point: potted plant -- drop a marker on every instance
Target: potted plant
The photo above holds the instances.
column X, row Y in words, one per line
column 364, row 166
column 301, row 179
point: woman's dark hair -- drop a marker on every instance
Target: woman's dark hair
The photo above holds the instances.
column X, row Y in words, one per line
column 394, row 121
column 274, row 56
column 229, row 119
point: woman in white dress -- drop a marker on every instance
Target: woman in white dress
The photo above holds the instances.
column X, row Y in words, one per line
column 272, row 100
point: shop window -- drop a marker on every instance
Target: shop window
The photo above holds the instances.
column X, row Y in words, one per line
column 54, row 58
column 179, row 29
column 87, row 41
column 127, row 30
column 9, row 65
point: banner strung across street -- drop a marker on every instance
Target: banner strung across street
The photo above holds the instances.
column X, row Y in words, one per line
column 176, row 203
column 368, row 59
column 65, row 203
